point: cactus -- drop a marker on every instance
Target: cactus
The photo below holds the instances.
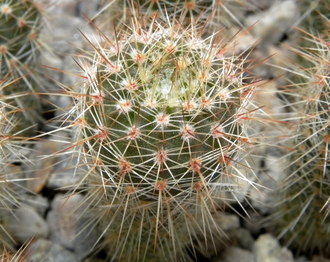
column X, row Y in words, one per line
column 161, row 119
column 317, row 14
column 18, row 256
column 10, row 152
column 20, row 45
column 7, row 256
column 226, row 11
column 301, row 216
column 215, row 14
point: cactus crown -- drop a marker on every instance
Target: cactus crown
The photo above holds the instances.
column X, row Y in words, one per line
column 162, row 107
column 162, row 113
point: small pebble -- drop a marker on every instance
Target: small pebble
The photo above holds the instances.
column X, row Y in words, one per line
column 67, row 224
column 67, row 173
column 37, row 202
column 47, row 251
column 244, row 239
column 24, row 223
column 267, row 249
column 43, row 165
column 235, row 254
column 270, row 25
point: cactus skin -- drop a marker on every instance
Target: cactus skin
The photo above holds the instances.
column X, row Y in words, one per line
column 162, row 115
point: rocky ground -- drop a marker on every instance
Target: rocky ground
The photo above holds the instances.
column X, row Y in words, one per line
column 44, row 214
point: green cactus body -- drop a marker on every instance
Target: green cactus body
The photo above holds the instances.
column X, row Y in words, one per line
column 162, row 114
